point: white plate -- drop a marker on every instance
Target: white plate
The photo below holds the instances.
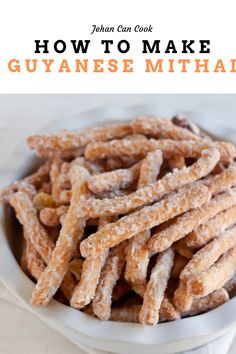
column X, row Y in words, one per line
column 78, row 327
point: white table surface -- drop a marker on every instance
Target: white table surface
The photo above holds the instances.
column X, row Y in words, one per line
column 21, row 115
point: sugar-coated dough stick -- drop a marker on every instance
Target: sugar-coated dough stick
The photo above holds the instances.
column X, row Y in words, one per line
column 176, row 162
column 150, row 168
column 137, row 262
column 215, row 277
column 182, row 300
column 222, row 181
column 169, row 148
column 161, row 129
column 190, row 220
column 35, row 264
column 153, row 296
column 144, row 219
column 213, row 227
column 27, row 215
column 63, row 154
column 216, row 184
column 40, row 175
column 131, row 313
column 179, row 264
column 55, row 173
column 85, row 290
column 66, row 196
column 208, row 302
column 169, row 183
column 71, row 232
column 138, row 254
column 118, row 148
column 66, row 140
column 51, row 216
column 209, row 254
column 110, row 274
column 230, row 285
column 21, row 186
column 116, row 179
column 92, row 167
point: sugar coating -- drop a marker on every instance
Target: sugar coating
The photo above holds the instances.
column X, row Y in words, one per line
column 37, row 234
column 161, row 129
column 169, row 148
column 215, row 277
column 190, row 220
column 109, row 276
column 117, row 179
column 71, row 232
column 154, row 294
column 212, row 228
column 66, row 140
column 137, row 259
column 55, row 174
column 91, row 270
column 208, row 302
column 208, row 255
column 154, row 191
column 144, row 219
column 182, row 300
column 35, row 264
column 51, row 216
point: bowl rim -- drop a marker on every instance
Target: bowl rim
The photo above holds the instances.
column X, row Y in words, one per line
column 217, row 320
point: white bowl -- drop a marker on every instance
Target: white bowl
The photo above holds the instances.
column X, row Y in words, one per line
column 78, row 327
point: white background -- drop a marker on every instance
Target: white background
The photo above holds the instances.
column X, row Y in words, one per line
column 21, row 22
